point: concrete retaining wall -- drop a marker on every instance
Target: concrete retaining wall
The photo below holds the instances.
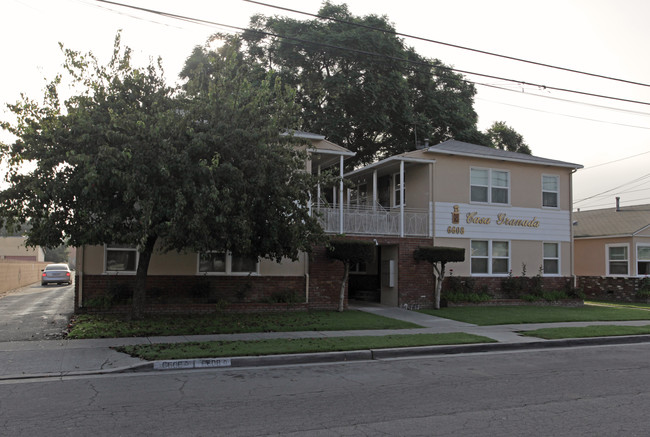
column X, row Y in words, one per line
column 17, row 274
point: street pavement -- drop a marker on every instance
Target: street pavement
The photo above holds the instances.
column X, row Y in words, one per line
column 62, row 357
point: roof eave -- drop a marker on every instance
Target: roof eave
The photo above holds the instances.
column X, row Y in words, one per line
column 433, row 149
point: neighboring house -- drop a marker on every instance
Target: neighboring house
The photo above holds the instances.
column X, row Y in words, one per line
column 13, row 248
column 612, row 250
column 509, row 211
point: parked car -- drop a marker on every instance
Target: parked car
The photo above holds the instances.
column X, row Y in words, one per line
column 57, row 273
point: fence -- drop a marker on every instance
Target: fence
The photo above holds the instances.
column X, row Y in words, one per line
column 16, row 274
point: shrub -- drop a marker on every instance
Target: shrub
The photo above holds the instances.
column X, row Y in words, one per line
column 284, row 297
column 119, row 292
column 472, row 297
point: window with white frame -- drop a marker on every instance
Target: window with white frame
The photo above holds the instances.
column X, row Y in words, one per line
column 551, row 261
column 489, row 186
column 617, row 260
column 397, row 188
column 120, row 258
column 550, row 191
column 490, row 257
column 643, row 260
column 222, row 263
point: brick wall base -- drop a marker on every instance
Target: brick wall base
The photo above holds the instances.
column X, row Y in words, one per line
column 197, row 294
column 610, row 288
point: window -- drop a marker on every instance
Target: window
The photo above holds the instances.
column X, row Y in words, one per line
column 220, row 263
column 490, row 257
column 358, row 268
column 643, row 260
column 550, row 191
column 489, row 186
column 398, row 190
column 551, row 263
column 121, row 258
column 617, row 260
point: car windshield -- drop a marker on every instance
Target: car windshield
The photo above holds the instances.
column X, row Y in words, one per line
column 57, row 267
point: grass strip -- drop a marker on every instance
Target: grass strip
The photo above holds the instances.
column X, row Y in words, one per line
column 112, row 326
column 517, row 314
column 639, row 305
column 587, row 331
column 216, row 349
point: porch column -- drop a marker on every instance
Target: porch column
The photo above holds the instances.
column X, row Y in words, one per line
column 374, row 190
column 341, row 199
column 402, row 199
column 431, row 200
column 318, row 191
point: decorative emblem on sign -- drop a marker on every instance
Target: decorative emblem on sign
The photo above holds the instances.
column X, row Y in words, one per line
column 455, row 216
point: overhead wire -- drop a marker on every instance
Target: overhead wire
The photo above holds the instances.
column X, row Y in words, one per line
column 427, row 64
column 374, row 54
column 484, row 52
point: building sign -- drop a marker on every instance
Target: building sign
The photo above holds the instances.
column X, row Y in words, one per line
column 460, row 220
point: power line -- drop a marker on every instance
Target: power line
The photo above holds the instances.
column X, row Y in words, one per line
column 564, row 115
column 324, row 17
column 613, row 189
column 363, row 52
column 559, row 99
column 617, row 160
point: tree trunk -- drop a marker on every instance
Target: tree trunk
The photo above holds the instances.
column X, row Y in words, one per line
column 346, row 270
column 439, row 277
column 140, row 289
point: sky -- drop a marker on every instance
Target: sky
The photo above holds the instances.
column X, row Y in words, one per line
column 610, row 137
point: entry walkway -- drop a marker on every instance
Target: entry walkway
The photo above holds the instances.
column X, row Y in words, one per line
column 58, row 358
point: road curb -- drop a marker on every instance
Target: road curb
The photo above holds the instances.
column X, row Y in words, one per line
column 338, row 357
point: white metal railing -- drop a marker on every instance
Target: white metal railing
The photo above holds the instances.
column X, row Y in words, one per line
column 369, row 220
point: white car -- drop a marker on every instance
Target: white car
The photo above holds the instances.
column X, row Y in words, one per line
column 57, row 273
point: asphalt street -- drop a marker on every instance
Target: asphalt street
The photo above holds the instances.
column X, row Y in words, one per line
column 586, row 391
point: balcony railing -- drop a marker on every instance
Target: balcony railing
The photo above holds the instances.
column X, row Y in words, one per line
column 368, row 220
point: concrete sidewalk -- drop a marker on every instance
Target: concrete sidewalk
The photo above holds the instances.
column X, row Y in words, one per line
column 59, row 358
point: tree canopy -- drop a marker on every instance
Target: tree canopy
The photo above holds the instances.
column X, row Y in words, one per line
column 502, row 136
column 363, row 88
column 356, row 81
column 130, row 160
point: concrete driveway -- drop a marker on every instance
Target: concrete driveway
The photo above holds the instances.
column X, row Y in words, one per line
column 36, row 312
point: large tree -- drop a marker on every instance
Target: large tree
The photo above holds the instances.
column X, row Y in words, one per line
column 502, row 136
column 129, row 160
column 363, row 88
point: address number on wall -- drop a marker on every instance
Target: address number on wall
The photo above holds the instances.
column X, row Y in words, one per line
column 455, row 230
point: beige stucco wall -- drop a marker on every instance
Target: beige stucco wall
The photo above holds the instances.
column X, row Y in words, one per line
column 528, row 252
column 389, row 295
column 452, row 180
column 591, row 254
column 17, row 274
column 15, row 246
column 174, row 263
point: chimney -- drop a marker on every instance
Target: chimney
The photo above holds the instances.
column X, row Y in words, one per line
column 618, row 204
column 426, row 142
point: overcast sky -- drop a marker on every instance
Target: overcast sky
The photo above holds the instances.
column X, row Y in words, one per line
column 609, row 137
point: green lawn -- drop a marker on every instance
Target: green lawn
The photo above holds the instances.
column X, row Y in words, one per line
column 98, row 326
column 215, row 349
column 507, row 315
column 587, row 331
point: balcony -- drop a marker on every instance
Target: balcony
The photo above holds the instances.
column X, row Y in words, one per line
column 377, row 220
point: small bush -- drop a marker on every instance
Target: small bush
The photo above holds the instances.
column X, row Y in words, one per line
column 284, row 297
column 102, row 302
column 472, row 297
column 119, row 292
